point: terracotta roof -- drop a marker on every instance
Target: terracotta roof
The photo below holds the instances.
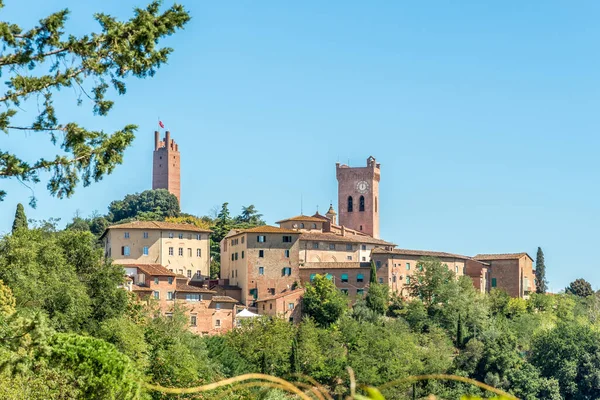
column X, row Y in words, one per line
column 321, row 217
column 332, row 237
column 136, row 288
column 153, row 269
column 157, row 225
column 506, row 256
column 184, row 287
column 280, row 295
column 224, row 299
column 334, row 265
column 423, row 253
column 301, row 218
column 261, row 229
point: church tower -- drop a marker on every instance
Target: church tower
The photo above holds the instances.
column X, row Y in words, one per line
column 166, row 171
column 358, row 196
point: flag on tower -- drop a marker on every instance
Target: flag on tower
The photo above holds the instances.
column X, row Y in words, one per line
column 161, row 124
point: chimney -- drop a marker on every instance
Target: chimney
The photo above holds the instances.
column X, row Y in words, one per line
column 156, row 139
column 343, row 230
column 168, row 140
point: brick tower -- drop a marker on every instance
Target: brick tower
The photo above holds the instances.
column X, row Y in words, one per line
column 166, row 165
column 358, row 196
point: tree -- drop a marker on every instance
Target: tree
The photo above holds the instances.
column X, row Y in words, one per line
column 540, row 273
column 250, row 215
column 323, row 301
column 149, row 205
column 90, row 64
column 459, row 333
column 378, row 298
column 20, row 221
column 580, row 287
column 373, row 273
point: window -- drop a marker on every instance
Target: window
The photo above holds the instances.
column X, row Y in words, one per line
column 329, row 276
column 198, row 236
column 232, row 273
column 287, row 271
column 145, row 250
column 456, row 270
column 420, row 266
column 345, row 291
column 126, row 235
column 189, row 273
column 261, row 270
column 156, row 295
column 290, row 306
column 193, row 320
column 287, row 239
column 270, row 306
column 236, row 256
column 378, row 263
column 364, row 258
column 349, row 247
column 287, row 254
column 170, row 235
column 331, row 246
column 344, row 277
column 363, row 247
column 236, row 273
column 493, row 282
column 242, row 240
column 198, row 273
column 408, row 266
column 360, row 292
column 302, row 225
column 315, row 245
column 349, row 258
column 408, row 280
column 242, row 254
column 180, row 236
column 189, row 252
column 156, row 281
column 253, row 293
column 169, row 295
column 350, row 204
column 361, row 227
column 145, row 235
column 217, row 323
column 312, row 277
column 181, row 252
column 314, row 226
column 189, row 236
column 170, row 251
column 180, row 272
column 360, row 278
column 198, row 252
column 394, row 278
column 232, row 256
column 125, row 250
column 375, row 203
column 218, row 306
column 170, row 280
column 271, row 291
column 380, row 280
column 193, row 297
column 261, row 238
column 361, row 203
column 261, row 253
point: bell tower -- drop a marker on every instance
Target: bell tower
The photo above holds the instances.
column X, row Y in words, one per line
column 166, row 170
column 358, row 196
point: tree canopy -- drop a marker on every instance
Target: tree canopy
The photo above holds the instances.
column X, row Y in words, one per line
column 20, row 221
column 540, row 273
column 38, row 62
column 580, row 287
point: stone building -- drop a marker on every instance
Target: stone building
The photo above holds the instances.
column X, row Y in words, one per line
column 287, row 305
column 207, row 312
column 511, row 272
column 166, row 165
column 182, row 248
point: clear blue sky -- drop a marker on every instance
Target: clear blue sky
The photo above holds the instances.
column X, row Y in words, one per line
column 484, row 117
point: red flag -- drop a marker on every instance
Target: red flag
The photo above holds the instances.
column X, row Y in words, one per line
column 161, row 124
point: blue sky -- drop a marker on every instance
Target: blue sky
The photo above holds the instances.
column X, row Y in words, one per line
column 484, row 118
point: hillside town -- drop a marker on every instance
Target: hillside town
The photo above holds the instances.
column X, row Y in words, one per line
column 264, row 269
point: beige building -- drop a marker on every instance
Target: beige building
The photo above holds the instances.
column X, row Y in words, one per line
column 181, row 248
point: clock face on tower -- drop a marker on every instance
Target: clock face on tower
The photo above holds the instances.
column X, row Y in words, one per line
column 362, row 187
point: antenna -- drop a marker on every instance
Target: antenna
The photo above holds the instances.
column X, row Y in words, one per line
column 301, row 211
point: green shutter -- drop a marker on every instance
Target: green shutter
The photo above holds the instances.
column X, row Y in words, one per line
column 493, row 282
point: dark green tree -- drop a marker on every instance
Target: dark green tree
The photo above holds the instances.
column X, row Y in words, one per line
column 373, row 273
column 40, row 61
column 221, row 227
column 20, row 221
column 294, row 364
column 149, row 205
column 580, row 287
column 459, row 333
column 378, row 298
column 540, row 273
column 250, row 215
column 323, row 301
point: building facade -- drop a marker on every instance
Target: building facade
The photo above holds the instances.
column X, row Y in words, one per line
column 166, row 165
column 181, row 248
column 511, row 272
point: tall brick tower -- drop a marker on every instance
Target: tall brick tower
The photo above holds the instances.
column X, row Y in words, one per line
column 358, row 196
column 166, row 170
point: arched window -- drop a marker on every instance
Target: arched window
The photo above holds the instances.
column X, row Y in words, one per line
column 350, row 205
column 361, row 204
column 361, row 227
column 302, row 226
column 314, row 226
column 375, row 203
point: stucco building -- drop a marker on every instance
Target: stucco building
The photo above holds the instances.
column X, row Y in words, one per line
column 511, row 272
column 181, row 248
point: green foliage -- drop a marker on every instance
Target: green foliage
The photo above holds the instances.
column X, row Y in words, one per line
column 373, row 273
column 149, row 205
column 323, row 301
column 580, row 287
column 540, row 273
column 378, row 298
column 7, row 301
column 90, row 64
column 250, row 215
column 20, row 221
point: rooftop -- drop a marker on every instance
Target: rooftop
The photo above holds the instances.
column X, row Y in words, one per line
column 261, row 229
column 157, row 225
column 224, row 299
column 283, row 294
column 423, row 253
column 332, row 237
column 505, row 256
column 301, row 218
column 152, row 269
column 184, row 287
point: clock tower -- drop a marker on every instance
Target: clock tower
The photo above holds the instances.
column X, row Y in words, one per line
column 358, row 196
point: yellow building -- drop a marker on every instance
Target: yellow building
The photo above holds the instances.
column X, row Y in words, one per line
column 182, row 248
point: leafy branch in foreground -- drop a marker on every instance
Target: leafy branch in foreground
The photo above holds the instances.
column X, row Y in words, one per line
column 38, row 62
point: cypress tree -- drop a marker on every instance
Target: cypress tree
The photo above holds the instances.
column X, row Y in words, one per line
column 294, row 366
column 459, row 333
column 540, row 273
column 373, row 276
column 20, row 219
